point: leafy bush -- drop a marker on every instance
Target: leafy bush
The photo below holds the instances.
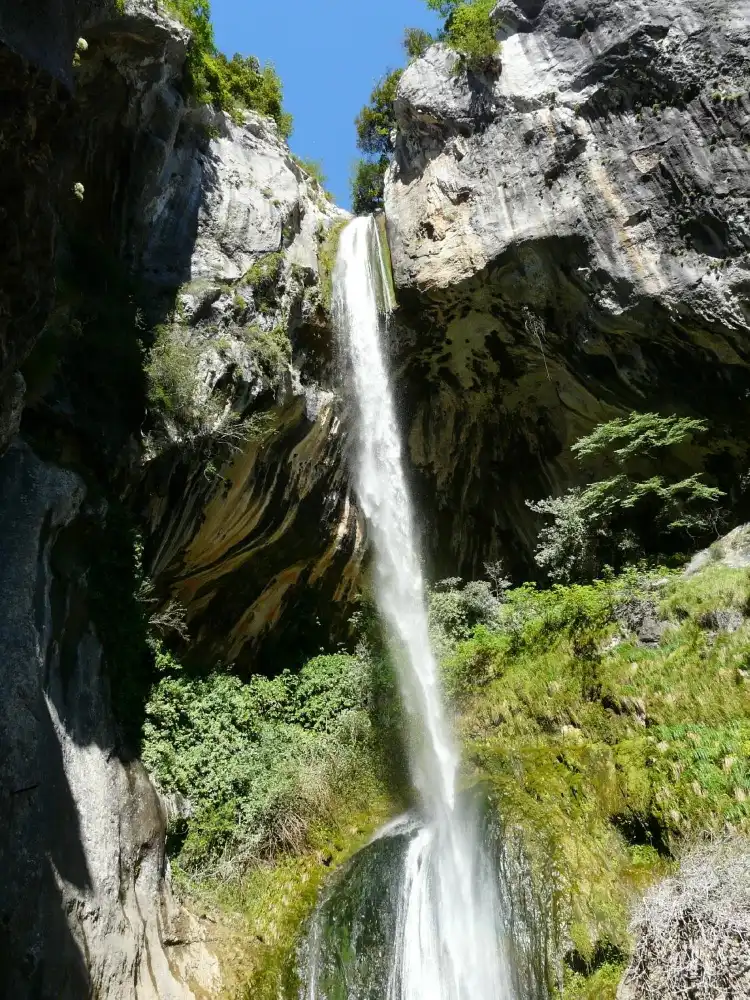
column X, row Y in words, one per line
column 263, row 760
column 368, row 185
column 376, row 120
column 375, row 124
column 172, row 375
column 469, row 30
column 314, row 168
column 232, row 84
column 416, row 42
column 456, row 609
column 632, row 513
column 271, row 349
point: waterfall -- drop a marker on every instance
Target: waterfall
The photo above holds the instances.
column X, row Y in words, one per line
column 449, row 928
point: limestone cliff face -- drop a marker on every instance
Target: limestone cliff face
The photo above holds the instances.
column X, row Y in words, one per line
column 571, row 239
column 211, row 232
column 84, row 907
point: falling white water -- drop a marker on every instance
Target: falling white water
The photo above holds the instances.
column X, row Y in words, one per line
column 450, row 930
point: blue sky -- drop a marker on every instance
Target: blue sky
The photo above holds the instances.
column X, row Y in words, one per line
column 329, row 54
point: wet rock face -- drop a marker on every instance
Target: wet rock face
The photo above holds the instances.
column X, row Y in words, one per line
column 571, row 239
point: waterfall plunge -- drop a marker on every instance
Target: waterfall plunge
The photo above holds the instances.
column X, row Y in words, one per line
column 449, row 929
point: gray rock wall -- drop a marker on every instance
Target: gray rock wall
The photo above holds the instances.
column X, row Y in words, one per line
column 570, row 237
column 84, row 905
column 185, row 202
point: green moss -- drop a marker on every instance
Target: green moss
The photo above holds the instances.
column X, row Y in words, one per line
column 385, row 250
column 609, row 754
column 329, row 246
column 275, row 900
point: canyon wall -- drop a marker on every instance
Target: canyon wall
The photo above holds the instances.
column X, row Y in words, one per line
column 570, row 236
column 132, row 213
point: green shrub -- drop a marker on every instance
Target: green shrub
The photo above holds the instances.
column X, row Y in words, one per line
column 271, row 349
column 172, row 375
column 314, row 168
column 368, row 185
column 376, row 120
column 262, row 760
column 232, row 84
column 469, row 30
column 416, row 42
column 633, row 512
column 375, row 124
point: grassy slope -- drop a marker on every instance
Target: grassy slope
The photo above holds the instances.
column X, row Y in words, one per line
column 260, row 915
column 609, row 754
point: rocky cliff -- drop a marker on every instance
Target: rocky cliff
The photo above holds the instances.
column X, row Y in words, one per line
column 571, row 240
column 570, row 233
column 138, row 218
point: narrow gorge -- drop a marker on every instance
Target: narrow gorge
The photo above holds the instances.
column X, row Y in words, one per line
column 375, row 605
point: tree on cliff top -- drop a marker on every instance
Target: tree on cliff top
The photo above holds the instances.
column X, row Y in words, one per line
column 232, row 84
column 469, row 30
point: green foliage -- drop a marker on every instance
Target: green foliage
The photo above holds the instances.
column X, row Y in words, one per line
column 469, row 30
column 172, row 374
column 264, row 278
column 271, row 349
column 376, row 120
column 608, row 753
column 232, row 84
column 265, row 272
column 602, row 985
column 456, row 609
column 262, row 760
column 416, row 42
column 368, row 184
column 632, row 513
column 375, row 124
column 637, row 435
column 314, row 168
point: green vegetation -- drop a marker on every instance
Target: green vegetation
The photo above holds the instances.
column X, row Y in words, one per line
column 315, row 169
column 287, row 776
column 375, row 125
column 271, row 349
column 635, row 511
column 368, row 184
column 469, row 30
column 234, row 84
column 610, row 753
column 375, row 121
column 329, row 245
column 263, row 277
column 416, row 42
column 172, row 373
